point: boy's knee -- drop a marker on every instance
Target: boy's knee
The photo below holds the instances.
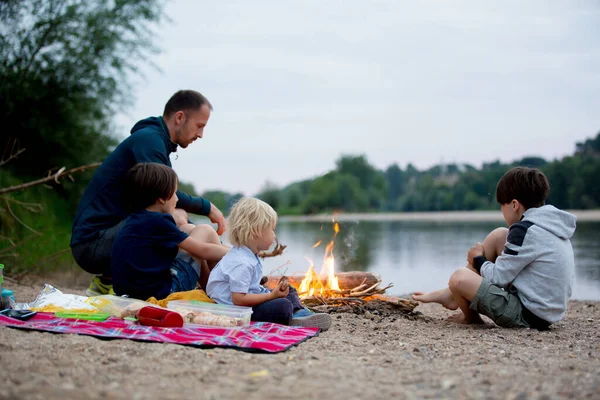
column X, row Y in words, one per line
column 206, row 233
column 458, row 278
column 287, row 308
column 498, row 235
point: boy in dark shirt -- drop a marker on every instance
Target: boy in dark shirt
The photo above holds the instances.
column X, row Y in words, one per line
column 147, row 258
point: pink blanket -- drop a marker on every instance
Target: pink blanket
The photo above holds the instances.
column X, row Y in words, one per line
column 259, row 336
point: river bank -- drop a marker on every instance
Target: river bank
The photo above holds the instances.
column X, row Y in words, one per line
column 361, row 356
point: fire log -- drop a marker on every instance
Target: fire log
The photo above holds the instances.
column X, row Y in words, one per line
column 346, row 280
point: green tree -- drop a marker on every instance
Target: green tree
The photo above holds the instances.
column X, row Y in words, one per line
column 370, row 179
column 64, row 65
column 396, row 184
column 335, row 191
column 270, row 194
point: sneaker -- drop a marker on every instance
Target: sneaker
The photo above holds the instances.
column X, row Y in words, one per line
column 97, row 288
column 307, row 318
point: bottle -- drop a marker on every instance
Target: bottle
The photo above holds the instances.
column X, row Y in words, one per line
column 8, row 299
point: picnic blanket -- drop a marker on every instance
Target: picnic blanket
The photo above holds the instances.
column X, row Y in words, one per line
column 257, row 337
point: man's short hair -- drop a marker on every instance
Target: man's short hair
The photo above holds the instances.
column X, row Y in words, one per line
column 147, row 182
column 185, row 100
column 248, row 218
column 527, row 185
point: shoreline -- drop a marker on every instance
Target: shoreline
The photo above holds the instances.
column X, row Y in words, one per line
column 413, row 356
column 433, row 216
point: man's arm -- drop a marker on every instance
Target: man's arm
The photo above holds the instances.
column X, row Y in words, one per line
column 198, row 205
column 517, row 254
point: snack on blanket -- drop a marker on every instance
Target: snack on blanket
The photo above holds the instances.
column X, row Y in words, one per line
column 212, row 314
column 131, row 310
column 205, row 318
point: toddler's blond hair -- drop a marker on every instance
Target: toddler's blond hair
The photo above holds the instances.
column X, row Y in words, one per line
column 248, row 218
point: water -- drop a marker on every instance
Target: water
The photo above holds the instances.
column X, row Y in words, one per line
column 414, row 255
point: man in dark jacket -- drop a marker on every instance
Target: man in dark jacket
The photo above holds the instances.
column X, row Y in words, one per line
column 103, row 206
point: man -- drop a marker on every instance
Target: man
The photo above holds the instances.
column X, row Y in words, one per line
column 103, row 207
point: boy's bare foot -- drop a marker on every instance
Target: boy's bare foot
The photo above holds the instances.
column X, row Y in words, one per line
column 442, row 296
column 461, row 318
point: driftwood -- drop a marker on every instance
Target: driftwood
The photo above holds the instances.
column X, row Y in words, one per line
column 346, row 280
column 373, row 305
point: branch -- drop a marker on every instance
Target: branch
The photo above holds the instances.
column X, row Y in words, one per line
column 14, row 155
column 18, row 220
column 54, row 177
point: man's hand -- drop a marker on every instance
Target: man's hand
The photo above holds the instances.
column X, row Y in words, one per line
column 216, row 217
column 476, row 250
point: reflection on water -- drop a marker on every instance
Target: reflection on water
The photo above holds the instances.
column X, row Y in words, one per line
column 415, row 255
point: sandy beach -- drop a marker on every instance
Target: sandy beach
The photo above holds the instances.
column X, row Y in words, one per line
column 364, row 356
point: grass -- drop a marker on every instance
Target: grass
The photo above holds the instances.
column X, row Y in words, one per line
column 35, row 230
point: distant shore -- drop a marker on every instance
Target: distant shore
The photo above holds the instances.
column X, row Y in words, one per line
column 442, row 216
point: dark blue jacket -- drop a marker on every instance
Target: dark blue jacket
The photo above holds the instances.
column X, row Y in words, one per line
column 103, row 204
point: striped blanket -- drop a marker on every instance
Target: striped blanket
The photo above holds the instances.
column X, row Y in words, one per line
column 258, row 336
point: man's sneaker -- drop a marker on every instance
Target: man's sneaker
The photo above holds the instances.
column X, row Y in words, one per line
column 307, row 318
column 97, row 288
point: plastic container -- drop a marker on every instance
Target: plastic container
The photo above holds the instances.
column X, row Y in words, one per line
column 120, row 307
column 241, row 315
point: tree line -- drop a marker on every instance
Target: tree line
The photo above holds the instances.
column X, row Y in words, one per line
column 357, row 186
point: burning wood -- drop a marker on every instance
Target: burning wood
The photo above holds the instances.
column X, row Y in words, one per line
column 328, row 289
column 352, row 287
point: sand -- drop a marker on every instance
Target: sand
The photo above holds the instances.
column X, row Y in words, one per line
column 360, row 357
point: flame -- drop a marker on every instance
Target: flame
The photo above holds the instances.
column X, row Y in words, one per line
column 326, row 282
column 316, row 244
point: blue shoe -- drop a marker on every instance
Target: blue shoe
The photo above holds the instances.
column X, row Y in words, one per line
column 305, row 312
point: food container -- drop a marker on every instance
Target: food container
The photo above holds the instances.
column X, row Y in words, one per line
column 211, row 314
column 120, row 307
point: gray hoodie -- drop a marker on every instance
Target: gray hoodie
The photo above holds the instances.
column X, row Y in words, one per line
column 538, row 262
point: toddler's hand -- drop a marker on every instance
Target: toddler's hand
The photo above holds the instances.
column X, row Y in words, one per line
column 475, row 251
column 281, row 291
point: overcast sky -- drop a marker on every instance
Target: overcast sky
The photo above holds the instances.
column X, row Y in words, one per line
column 297, row 84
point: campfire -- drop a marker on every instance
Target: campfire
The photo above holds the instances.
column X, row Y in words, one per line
column 336, row 289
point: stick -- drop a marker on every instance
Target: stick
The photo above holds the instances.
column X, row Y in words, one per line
column 54, row 177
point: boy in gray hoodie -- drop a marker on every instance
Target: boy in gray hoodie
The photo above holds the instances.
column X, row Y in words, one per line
column 521, row 276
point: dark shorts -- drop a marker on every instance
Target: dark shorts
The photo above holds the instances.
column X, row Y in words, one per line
column 94, row 256
column 184, row 273
column 504, row 308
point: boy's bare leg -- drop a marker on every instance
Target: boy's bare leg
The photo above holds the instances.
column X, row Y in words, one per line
column 443, row 296
column 493, row 246
column 206, row 234
column 464, row 284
